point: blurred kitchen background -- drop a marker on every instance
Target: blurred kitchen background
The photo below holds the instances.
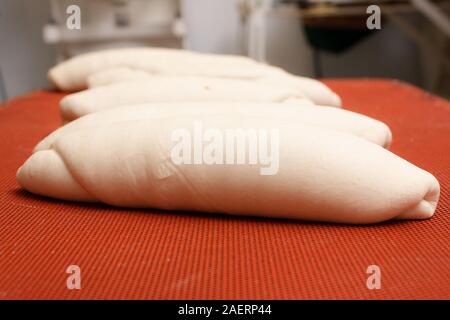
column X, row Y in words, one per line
column 315, row 38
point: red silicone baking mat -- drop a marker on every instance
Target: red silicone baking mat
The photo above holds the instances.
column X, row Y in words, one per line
column 135, row 254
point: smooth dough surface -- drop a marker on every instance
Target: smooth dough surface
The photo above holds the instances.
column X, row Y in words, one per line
column 322, row 175
column 174, row 89
column 73, row 74
column 117, row 75
column 325, row 117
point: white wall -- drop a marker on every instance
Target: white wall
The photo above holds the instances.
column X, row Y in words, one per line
column 24, row 58
column 214, row 26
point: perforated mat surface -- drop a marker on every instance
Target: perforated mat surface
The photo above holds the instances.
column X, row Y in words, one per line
column 150, row 254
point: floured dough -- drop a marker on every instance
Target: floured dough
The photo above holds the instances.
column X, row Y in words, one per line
column 73, row 74
column 174, row 89
column 321, row 175
column 326, row 117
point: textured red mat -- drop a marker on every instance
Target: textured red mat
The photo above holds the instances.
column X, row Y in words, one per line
column 135, row 254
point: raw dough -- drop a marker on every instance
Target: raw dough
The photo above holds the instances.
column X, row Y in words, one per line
column 322, row 175
column 326, row 117
column 116, row 75
column 174, row 89
column 73, row 74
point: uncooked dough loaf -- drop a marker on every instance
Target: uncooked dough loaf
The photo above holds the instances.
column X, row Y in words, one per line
column 119, row 74
column 73, row 74
column 316, row 174
column 325, row 117
column 174, row 89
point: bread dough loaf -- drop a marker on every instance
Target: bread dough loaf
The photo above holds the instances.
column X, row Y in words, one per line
column 321, row 175
column 325, row 117
column 174, row 89
column 73, row 74
column 116, row 75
